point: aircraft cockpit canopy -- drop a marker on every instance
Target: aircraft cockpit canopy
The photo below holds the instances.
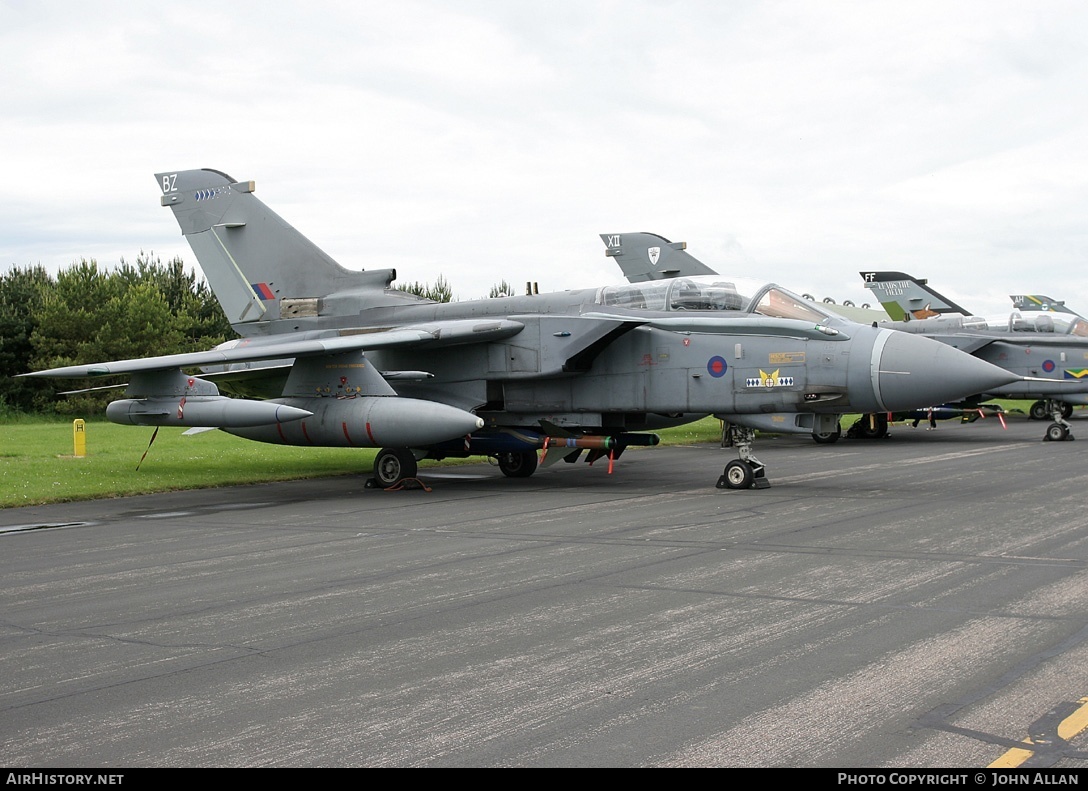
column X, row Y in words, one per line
column 682, row 293
column 709, row 293
column 1032, row 321
column 1057, row 323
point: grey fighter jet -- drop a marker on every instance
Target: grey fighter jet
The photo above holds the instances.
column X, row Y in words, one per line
column 341, row 358
column 1049, row 350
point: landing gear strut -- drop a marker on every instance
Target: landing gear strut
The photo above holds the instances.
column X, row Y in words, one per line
column 1059, row 430
column 747, row 472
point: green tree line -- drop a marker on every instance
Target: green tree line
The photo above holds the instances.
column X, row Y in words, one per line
column 87, row 313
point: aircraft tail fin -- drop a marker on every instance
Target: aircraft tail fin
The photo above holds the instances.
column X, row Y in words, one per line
column 905, row 297
column 647, row 256
column 1033, row 302
column 259, row 267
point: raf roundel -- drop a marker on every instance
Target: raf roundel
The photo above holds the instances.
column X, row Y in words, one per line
column 1048, row 366
column 717, row 366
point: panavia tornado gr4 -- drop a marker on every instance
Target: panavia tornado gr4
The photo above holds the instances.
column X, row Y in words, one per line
column 335, row 357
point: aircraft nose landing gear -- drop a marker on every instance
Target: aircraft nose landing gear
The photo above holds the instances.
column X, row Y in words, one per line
column 1059, row 430
column 1056, row 432
column 740, row 474
column 747, row 472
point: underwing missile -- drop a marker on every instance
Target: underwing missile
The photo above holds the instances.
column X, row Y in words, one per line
column 524, row 440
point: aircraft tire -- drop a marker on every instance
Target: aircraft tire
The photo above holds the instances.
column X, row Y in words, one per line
column 1056, row 432
column 1067, row 410
column 827, row 437
column 394, row 464
column 873, row 427
column 517, row 464
column 1038, row 411
column 738, row 475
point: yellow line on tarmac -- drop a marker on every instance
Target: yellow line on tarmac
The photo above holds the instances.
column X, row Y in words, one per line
column 1067, row 729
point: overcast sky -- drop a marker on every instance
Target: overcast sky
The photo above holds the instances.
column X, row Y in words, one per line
column 799, row 142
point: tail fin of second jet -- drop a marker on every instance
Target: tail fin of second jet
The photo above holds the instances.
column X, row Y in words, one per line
column 259, row 266
column 905, row 297
column 1033, row 302
column 647, row 256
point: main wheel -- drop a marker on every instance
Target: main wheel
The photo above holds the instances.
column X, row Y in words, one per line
column 1038, row 411
column 517, row 465
column 873, row 426
column 827, row 437
column 1056, row 432
column 738, row 474
column 1067, row 410
column 394, row 464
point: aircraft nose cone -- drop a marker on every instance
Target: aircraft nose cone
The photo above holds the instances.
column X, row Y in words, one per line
column 915, row 372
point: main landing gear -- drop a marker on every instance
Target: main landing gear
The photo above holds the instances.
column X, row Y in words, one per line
column 871, row 426
column 517, row 464
column 1059, row 430
column 827, row 437
column 1041, row 410
column 393, row 465
column 747, row 472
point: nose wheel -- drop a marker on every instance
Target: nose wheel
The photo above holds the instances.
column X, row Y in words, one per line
column 747, row 472
column 742, row 475
column 1056, row 432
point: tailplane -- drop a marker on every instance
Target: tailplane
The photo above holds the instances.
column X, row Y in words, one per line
column 905, row 297
column 647, row 256
column 260, row 268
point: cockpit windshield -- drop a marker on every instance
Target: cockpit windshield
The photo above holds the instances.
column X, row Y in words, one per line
column 782, row 304
column 710, row 293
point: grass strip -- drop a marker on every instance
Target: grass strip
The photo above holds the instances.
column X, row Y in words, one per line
column 38, row 465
